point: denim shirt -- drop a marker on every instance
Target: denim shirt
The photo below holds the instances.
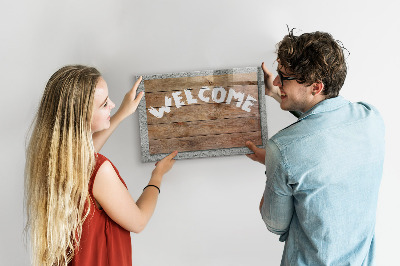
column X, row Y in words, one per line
column 323, row 176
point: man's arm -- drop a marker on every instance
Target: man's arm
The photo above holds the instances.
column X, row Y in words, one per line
column 276, row 211
column 128, row 107
column 276, row 205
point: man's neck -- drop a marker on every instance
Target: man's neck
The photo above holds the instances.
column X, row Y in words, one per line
column 316, row 100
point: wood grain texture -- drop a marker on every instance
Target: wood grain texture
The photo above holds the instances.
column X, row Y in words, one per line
column 204, row 128
column 227, row 80
column 199, row 143
column 195, row 124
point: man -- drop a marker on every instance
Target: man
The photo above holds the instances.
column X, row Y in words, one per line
column 323, row 171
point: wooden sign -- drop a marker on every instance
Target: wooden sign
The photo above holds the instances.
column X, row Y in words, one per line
column 202, row 113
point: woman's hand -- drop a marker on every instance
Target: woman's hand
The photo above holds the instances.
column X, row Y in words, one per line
column 131, row 101
column 163, row 166
column 270, row 89
column 128, row 107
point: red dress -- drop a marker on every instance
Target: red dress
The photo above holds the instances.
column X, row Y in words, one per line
column 103, row 241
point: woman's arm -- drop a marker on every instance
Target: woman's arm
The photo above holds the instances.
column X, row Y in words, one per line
column 116, row 201
column 128, row 107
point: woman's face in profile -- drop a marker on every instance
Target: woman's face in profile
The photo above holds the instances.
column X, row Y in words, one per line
column 102, row 106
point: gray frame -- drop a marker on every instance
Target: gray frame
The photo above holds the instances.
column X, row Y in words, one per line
column 144, row 139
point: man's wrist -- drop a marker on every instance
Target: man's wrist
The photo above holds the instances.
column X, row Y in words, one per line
column 277, row 97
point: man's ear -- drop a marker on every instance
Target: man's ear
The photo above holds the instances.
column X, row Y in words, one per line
column 317, row 88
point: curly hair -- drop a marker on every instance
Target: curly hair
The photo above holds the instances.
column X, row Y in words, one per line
column 59, row 162
column 314, row 57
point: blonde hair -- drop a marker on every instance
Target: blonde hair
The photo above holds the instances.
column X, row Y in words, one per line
column 59, row 161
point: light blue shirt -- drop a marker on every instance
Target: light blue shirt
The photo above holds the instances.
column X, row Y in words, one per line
column 323, row 176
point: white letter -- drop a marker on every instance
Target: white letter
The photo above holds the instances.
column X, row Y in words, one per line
column 201, row 96
column 177, row 99
column 189, row 97
column 237, row 95
column 249, row 102
column 160, row 112
column 168, row 102
column 215, row 93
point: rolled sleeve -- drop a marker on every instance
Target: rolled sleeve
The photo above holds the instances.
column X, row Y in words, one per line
column 277, row 209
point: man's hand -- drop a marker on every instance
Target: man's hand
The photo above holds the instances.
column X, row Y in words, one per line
column 270, row 89
column 258, row 155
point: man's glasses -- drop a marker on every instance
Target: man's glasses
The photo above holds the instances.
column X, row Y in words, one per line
column 282, row 78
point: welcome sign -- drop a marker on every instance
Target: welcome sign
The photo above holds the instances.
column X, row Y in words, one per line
column 202, row 113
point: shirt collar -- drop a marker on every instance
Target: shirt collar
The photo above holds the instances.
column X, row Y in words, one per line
column 325, row 106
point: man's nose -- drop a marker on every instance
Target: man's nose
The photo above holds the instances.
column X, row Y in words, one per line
column 277, row 81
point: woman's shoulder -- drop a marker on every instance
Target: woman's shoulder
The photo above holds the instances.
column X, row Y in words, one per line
column 100, row 158
column 105, row 167
column 99, row 161
column 102, row 164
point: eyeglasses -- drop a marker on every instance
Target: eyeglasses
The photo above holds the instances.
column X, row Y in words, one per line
column 282, row 78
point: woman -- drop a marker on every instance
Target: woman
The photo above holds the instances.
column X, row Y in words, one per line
column 78, row 207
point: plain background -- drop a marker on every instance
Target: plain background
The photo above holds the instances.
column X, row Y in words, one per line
column 208, row 208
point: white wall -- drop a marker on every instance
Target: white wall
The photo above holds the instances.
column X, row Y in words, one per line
column 208, row 208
